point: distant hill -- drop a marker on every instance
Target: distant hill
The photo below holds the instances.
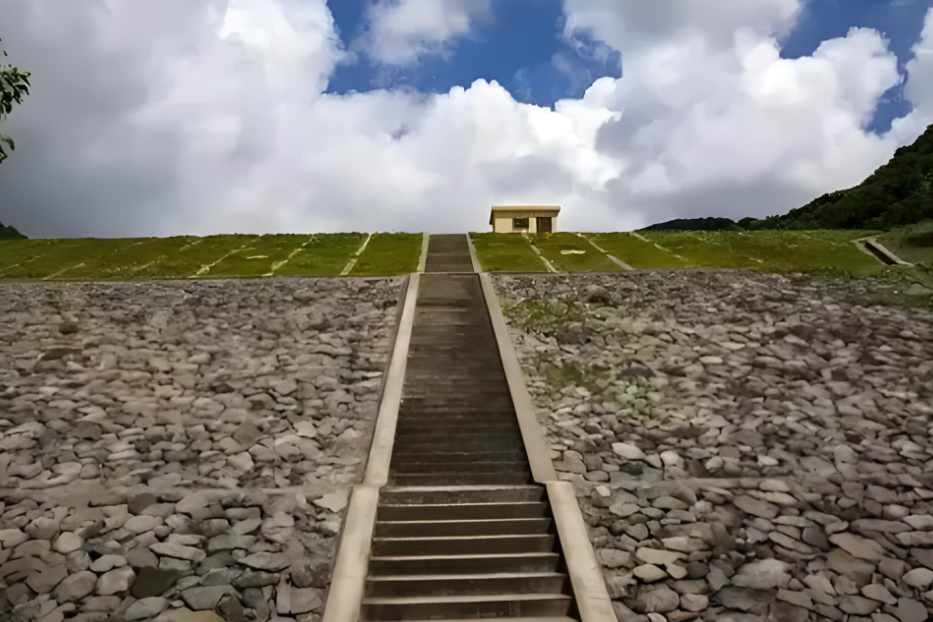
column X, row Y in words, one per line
column 899, row 193
column 696, row 224
column 10, row 233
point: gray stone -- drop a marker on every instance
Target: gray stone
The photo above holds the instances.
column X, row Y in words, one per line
column 75, row 587
column 146, row 608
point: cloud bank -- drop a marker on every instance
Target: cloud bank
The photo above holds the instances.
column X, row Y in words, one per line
column 157, row 117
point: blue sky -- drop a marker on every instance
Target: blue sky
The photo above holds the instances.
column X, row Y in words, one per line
column 521, row 47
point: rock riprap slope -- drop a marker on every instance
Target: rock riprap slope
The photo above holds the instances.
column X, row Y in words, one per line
column 172, row 450
column 745, row 447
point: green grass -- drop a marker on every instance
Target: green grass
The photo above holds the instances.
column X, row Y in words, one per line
column 39, row 259
column 389, row 253
column 637, row 253
column 498, row 252
column 703, row 249
column 195, row 257
column 219, row 256
column 325, row 255
column 261, row 256
column 128, row 261
column 571, row 253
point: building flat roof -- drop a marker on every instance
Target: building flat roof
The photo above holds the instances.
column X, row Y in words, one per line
column 506, row 209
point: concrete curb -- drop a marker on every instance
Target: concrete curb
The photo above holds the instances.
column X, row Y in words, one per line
column 589, row 587
column 423, row 260
column 542, row 469
column 380, row 453
column 348, row 582
column 871, row 246
column 586, row 576
column 477, row 267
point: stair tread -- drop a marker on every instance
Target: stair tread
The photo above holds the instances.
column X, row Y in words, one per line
column 447, row 521
column 464, row 556
column 458, row 488
column 468, row 576
column 497, row 536
column 522, row 619
column 406, row 600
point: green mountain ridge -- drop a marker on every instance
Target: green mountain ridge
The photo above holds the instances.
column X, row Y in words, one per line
column 695, row 224
column 10, row 233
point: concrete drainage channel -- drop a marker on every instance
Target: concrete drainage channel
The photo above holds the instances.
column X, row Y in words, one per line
column 461, row 515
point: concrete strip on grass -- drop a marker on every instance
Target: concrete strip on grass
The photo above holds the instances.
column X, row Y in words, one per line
column 423, row 260
column 866, row 244
column 542, row 469
column 350, row 264
column 547, row 264
column 612, row 258
column 477, row 267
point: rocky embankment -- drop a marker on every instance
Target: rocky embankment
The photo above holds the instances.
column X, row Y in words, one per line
column 745, row 447
column 172, row 450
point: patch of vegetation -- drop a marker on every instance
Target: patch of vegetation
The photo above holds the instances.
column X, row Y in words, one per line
column 324, row 255
column 571, row 253
column 899, row 193
column 827, row 252
column 127, row 261
column 543, row 317
column 40, row 259
column 696, row 224
column 636, row 252
column 261, row 256
column 704, row 249
column 195, row 257
column 388, row 254
column 500, row 252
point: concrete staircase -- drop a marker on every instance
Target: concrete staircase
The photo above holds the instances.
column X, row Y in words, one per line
column 448, row 253
column 461, row 531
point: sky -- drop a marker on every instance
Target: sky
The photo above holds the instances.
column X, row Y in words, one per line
column 164, row 117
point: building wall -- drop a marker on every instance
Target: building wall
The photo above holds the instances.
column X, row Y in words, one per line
column 503, row 224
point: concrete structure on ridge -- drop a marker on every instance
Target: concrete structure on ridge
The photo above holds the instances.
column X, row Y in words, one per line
column 524, row 218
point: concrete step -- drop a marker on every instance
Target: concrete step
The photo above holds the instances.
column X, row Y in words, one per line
column 451, row 511
column 487, row 443
column 407, row 457
column 468, row 584
column 439, row 468
column 494, row 426
column 474, row 479
column 439, row 607
column 462, row 494
column 404, row 529
column 464, row 564
column 463, row 545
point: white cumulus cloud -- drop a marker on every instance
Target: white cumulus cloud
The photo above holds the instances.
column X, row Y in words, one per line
column 155, row 117
column 402, row 31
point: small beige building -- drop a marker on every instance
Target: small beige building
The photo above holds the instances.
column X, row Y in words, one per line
column 524, row 218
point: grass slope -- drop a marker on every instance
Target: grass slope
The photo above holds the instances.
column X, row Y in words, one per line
column 260, row 257
column 389, row 253
column 637, row 253
column 568, row 252
column 324, row 255
column 499, row 252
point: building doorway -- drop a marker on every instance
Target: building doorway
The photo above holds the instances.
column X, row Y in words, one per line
column 544, row 224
